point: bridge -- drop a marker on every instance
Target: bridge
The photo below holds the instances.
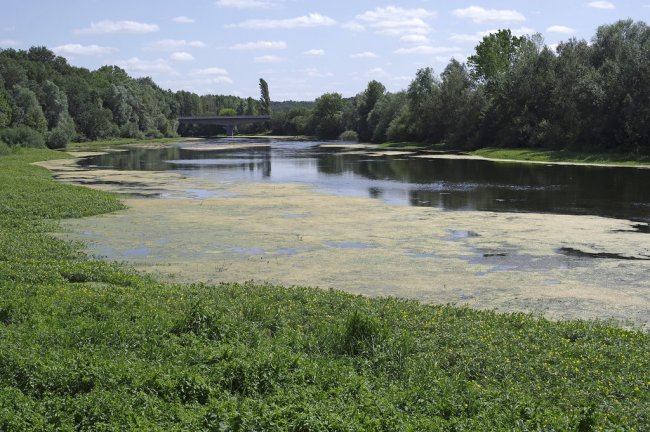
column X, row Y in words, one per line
column 228, row 122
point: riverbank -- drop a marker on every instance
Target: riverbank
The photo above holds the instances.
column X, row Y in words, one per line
column 563, row 156
column 92, row 345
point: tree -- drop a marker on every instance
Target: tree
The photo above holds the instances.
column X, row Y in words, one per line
column 495, row 55
column 423, row 104
column 27, row 111
column 54, row 103
column 265, row 99
column 366, row 101
column 326, row 116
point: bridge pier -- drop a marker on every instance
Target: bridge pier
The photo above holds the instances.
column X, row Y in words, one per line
column 229, row 130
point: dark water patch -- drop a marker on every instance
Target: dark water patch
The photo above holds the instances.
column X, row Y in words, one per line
column 350, row 245
column 449, row 184
column 577, row 253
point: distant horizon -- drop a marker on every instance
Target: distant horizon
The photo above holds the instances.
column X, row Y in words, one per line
column 302, row 48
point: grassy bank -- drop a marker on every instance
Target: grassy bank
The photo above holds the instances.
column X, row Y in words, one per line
column 89, row 345
column 563, row 156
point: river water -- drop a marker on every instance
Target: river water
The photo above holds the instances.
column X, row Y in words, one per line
column 450, row 184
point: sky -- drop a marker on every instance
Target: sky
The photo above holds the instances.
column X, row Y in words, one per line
column 302, row 48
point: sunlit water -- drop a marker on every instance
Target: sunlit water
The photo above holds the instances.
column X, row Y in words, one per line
column 450, row 184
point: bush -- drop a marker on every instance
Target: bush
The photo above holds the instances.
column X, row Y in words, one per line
column 22, row 136
column 4, row 149
column 349, row 135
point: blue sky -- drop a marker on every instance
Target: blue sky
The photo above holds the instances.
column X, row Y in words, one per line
column 303, row 48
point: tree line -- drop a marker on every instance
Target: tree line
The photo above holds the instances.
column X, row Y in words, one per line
column 46, row 101
column 514, row 91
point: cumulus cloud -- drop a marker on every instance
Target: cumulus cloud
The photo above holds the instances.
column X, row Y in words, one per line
column 75, row 50
column 181, row 56
column 314, row 52
column 183, row 20
column 269, row 45
column 9, row 43
column 560, row 29
column 310, row 20
column 480, row 15
column 245, row 4
column 364, row 55
column 353, row 26
column 109, row 27
column 207, row 76
column 601, row 5
column 315, row 73
column 269, row 59
column 414, row 38
column 478, row 36
column 427, row 49
column 140, row 67
column 174, row 45
column 397, row 21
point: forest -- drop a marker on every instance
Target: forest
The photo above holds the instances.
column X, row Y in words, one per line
column 514, row 91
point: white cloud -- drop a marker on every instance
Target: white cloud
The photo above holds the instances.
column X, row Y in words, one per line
column 141, row 67
column 82, row 50
column 245, row 4
column 183, row 20
column 208, row 76
column 414, row 38
column 364, row 55
column 269, row 45
column 315, row 73
column 310, row 20
column 269, row 59
column 353, row 26
column 480, row 15
column 426, row 49
column 8, row 43
column 181, row 56
column 212, row 71
column 560, row 29
column 478, row 36
column 601, row 5
column 396, row 21
column 109, row 27
column 174, row 45
column 314, row 52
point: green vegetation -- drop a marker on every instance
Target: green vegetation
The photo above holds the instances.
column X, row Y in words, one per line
column 514, row 92
column 563, row 156
column 90, row 345
column 102, row 144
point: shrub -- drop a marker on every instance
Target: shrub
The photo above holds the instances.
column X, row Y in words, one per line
column 4, row 149
column 23, row 136
column 349, row 135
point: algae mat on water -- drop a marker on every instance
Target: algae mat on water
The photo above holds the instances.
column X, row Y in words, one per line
column 562, row 266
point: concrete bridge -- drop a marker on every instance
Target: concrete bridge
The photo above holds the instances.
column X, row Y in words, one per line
column 228, row 122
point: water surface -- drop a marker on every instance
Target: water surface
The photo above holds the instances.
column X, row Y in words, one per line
column 450, row 184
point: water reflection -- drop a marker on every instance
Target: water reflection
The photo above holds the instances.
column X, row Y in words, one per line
column 445, row 183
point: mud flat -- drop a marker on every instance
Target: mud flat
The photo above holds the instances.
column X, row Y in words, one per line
column 561, row 266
